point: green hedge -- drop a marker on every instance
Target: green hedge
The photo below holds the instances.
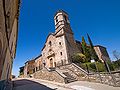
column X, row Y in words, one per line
column 92, row 67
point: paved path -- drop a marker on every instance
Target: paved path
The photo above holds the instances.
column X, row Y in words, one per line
column 25, row 84
column 37, row 84
column 84, row 85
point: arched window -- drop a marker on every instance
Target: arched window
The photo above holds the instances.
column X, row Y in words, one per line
column 50, row 50
column 60, row 43
column 50, row 43
column 65, row 18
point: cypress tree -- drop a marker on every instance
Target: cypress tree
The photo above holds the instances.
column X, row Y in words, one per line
column 83, row 45
column 85, row 49
column 92, row 50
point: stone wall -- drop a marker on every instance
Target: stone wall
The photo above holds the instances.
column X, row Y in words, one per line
column 3, row 39
column 106, row 78
column 79, row 74
column 47, row 75
column 8, row 35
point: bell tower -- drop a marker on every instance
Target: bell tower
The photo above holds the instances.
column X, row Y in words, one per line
column 62, row 22
column 65, row 36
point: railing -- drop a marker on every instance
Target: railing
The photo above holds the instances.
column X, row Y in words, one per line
column 80, row 68
column 60, row 73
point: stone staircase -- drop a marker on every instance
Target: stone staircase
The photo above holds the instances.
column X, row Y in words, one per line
column 72, row 72
column 66, row 75
column 75, row 71
column 69, row 78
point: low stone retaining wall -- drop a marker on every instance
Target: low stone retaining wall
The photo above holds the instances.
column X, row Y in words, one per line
column 106, row 78
column 112, row 79
column 79, row 74
column 50, row 76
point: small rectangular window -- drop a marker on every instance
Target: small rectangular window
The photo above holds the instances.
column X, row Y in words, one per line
column 60, row 43
column 8, row 20
column 56, row 19
column 61, row 53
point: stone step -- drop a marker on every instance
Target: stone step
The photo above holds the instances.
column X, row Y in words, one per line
column 69, row 80
column 69, row 77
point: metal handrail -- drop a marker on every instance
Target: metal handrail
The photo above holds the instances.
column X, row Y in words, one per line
column 80, row 68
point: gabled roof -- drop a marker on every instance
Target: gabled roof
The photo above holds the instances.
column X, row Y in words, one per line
column 99, row 46
column 29, row 61
column 38, row 56
column 47, row 39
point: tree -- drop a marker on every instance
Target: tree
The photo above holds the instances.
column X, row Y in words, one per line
column 116, row 63
column 78, row 58
column 21, row 72
column 83, row 45
column 116, row 55
column 92, row 50
column 85, row 49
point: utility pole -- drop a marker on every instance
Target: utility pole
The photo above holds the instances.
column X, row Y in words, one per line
column 108, row 70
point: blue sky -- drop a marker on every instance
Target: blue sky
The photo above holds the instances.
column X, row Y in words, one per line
column 99, row 18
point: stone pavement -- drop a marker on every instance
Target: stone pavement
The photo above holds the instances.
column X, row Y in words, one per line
column 84, row 85
column 25, row 84
column 37, row 84
column 5, row 85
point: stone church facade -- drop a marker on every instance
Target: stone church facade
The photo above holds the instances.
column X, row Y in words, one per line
column 61, row 45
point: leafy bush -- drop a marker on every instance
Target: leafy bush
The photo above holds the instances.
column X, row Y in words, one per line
column 78, row 58
column 116, row 64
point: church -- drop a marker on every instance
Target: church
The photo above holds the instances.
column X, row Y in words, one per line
column 59, row 47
